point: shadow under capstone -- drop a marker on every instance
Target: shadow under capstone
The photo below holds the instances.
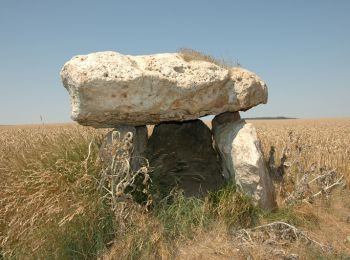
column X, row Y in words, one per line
column 181, row 154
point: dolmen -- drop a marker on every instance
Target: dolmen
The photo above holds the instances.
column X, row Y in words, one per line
column 171, row 91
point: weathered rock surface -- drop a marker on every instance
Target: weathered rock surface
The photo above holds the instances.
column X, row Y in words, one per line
column 108, row 89
column 242, row 157
column 182, row 154
column 137, row 142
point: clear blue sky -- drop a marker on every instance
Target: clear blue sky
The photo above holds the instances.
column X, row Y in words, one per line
column 300, row 48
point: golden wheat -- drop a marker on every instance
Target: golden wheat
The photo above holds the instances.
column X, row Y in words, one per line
column 321, row 142
column 45, row 185
column 49, row 206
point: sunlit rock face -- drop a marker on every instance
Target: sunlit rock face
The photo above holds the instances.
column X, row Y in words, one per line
column 242, row 158
column 109, row 89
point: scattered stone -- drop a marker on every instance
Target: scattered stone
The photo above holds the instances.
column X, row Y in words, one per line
column 108, row 89
column 242, row 157
column 347, row 240
column 291, row 257
column 182, row 154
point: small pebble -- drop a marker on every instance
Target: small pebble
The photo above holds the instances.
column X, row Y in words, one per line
column 347, row 239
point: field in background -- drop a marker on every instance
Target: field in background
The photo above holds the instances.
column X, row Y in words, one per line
column 325, row 142
column 322, row 142
column 49, row 203
column 309, row 146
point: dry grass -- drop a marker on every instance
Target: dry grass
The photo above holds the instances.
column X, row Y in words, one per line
column 48, row 193
column 50, row 207
column 310, row 147
column 193, row 55
column 322, row 143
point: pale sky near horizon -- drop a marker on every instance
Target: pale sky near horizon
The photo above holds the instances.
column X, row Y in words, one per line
column 300, row 48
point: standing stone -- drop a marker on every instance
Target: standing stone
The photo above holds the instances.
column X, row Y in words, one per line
column 182, row 155
column 138, row 137
column 242, row 157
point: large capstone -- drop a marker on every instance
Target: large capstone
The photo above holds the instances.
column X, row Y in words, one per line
column 181, row 155
column 108, row 88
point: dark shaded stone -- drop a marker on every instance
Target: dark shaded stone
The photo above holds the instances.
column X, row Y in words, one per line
column 181, row 154
column 136, row 135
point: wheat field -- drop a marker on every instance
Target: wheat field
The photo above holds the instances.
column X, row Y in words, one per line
column 324, row 142
column 49, row 205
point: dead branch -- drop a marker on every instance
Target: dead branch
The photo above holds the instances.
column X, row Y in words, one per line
column 324, row 190
column 85, row 162
column 117, row 178
column 323, row 175
column 276, row 232
column 277, row 173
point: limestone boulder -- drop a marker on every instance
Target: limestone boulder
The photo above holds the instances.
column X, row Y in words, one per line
column 108, row 88
column 242, row 158
column 181, row 155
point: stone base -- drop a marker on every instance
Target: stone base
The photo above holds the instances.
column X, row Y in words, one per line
column 181, row 154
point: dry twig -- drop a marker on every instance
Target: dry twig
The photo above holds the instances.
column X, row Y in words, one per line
column 117, row 178
column 278, row 233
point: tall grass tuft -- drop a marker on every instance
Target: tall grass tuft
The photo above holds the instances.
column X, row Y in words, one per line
column 139, row 236
column 155, row 235
column 49, row 205
column 235, row 209
column 183, row 217
column 191, row 55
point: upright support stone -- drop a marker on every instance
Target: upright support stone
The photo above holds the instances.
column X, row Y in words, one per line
column 242, row 158
column 139, row 144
